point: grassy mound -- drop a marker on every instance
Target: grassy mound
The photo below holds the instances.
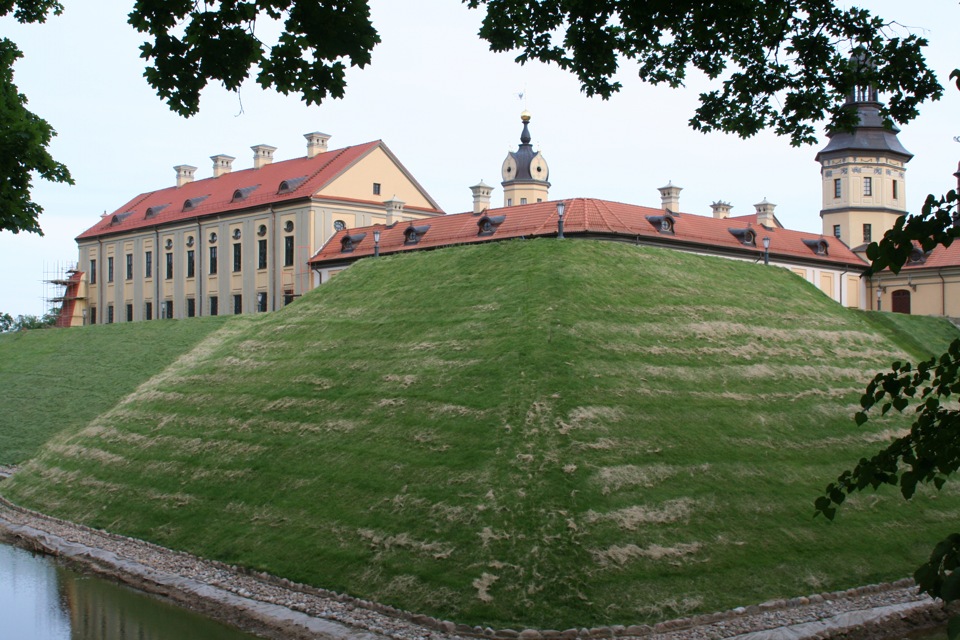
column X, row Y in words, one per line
column 533, row 433
column 54, row 380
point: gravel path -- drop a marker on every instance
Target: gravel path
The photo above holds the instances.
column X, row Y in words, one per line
column 276, row 608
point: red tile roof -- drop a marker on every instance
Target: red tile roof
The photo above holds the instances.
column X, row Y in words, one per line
column 213, row 196
column 940, row 258
column 597, row 218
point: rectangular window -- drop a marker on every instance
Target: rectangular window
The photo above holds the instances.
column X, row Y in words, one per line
column 836, row 187
column 896, row 190
column 523, row 201
column 237, row 304
column 191, row 264
column 261, row 301
column 129, row 266
column 110, row 269
column 868, row 186
column 836, row 231
column 867, row 233
column 93, row 315
column 213, row 261
column 148, row 311
column 288, row 251
column 261, row 254
column 129, row 313
column 169, row 266
column 376, row 188
column 214, row 305
column 168, row 309
column 236, row 256
column 191, row 307
column 110, row 314
column 287, row 297
column 148, row 264
column 93, row 275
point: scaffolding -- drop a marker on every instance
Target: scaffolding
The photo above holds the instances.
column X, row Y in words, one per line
column 61, row 291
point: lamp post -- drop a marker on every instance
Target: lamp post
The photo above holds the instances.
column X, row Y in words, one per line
column 376, row 243
column 879, row 296
column 766, row 250
column 560, row 207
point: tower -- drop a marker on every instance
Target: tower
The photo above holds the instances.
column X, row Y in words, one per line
column 863, row 172
column 524, row 172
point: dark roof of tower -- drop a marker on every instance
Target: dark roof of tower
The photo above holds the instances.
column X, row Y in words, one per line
column 869, row 134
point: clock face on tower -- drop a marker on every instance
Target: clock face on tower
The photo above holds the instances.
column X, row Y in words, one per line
column 509, row 169
column 538, row 168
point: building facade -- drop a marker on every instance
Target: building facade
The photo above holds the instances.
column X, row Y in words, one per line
column 239, row 241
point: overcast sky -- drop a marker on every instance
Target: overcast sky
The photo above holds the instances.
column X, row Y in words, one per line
column 445, row 105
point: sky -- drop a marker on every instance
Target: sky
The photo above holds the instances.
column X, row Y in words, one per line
column 448, row 108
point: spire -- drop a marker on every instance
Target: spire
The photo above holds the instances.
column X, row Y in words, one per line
column 525, row 135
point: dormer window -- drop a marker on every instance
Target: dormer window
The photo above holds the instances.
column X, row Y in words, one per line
column 120, row 217
column 413, row 234
column 917, row 256
column 192, row 203
column 747, row 237
column 241, row 194
column 290, row 184
column 350, row 242
column 820, row 247
column 663, row 224
column 154, row 210
column 488, row 225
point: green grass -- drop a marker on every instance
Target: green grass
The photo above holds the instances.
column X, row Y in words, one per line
column 532, row 433
column 921, row 336
column 55, row 379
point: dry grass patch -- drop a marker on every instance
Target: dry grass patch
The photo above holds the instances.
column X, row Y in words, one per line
column 483, row 584
column 384, row 543
column 628, row 475
column 619, row 556
column 403, row 380
column 630, row 518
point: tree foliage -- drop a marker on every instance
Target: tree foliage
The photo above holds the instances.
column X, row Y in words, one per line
column 780, row 65
column 27, row 322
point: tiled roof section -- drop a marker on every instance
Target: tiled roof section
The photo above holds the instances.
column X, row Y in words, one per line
column 304, row 177
column 940, row 258
column 587, row 216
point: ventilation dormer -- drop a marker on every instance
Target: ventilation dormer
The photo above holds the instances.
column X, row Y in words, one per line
column 192, row 203
column 663, row 224
column 820, row 247
column 488, row 225
column 241, row 194
column 350, row 241
column 120, row 217
column 746, row 237
column 290, row 184
column 154, row 210
column 412, row 234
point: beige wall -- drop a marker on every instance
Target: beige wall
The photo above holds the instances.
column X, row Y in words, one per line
column 376, row 167
column 852, row 172
column 932, row 293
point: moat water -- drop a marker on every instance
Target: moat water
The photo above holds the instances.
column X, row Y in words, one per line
column 42, row 600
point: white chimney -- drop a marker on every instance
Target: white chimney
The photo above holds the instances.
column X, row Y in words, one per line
column 481, row 196
column 765, row 213
column 184, row 174
column 316, row 143
column 262, row 155
column 222, row 165
column 670, row 197
column 721, row 209
column 394, row 208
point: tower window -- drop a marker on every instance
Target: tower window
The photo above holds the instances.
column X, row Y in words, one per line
column 896, row 191
column 836, row 187
column 523, row 201
column 836, row 231
column 867, row 233
column 376, row 188
column 868, row 186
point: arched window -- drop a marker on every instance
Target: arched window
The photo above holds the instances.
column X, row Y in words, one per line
column 901, row 301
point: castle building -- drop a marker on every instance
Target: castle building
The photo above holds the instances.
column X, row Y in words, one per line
column 239, row 241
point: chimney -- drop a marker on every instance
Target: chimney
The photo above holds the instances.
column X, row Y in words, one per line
column 316, row 143
column 222, row 165
column 721, row 209
column 184, row 174
column 394, row 208
column 765, row 213
column 262, row 155
column 481, row 196
column 670, row 197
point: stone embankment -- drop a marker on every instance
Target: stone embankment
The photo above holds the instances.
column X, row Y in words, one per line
column 276, row 608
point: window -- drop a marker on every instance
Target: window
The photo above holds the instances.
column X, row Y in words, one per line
column 148, row 311
column 339, row 225
column 236, row 256
column 93, row 315
column 237, row 304
column 868, row 186
column 261, row 254
column 129, row 313
column 509, row 202
column 191, row 307
column 214, row 305
column 867, row 233
column 213, row 261
column 191, row 264
column 836, row 231
column 168, row 309
column 110, row 269
column 169, row 266
column 523, row 201
column 836, row 187
column 896, row 190
column 110, row 314
column 129, row 266
column 93, row 276
column 287, row 297
column 261, row 301
column 288, row 251
column 148, row 264
column 376, row 188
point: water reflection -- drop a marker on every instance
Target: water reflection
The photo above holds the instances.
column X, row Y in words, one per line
column 41, row 600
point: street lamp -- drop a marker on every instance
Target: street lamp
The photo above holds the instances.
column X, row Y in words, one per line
column 560, row 207
column 766, row 250
column 879, row 296
column 376, row 243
